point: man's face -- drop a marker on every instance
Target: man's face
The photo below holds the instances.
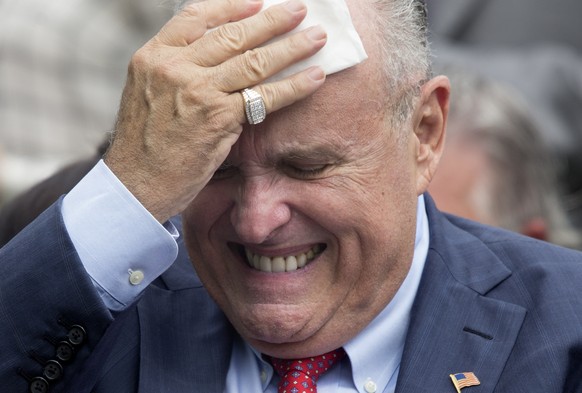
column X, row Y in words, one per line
column 465, row 190
column 320, row 189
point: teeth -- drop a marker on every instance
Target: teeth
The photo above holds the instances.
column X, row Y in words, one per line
column 281, row 264
column 278, row 265
column 265, row 264
column 301, row 260
column 291, row 263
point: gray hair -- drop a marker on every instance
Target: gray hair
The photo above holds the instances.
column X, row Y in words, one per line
column 524, row 183
column 402, row 34
column 402, row 27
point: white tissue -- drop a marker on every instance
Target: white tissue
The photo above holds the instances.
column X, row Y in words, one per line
column 343, row 48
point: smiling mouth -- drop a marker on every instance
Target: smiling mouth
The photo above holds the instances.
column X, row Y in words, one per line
column 283, row 264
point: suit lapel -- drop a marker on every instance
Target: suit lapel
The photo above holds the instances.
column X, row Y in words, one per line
column 454, row 328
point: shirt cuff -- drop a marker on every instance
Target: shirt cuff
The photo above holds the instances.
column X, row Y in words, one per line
column 121, row 245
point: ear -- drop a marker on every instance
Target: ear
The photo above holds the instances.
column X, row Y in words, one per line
column 429, row 121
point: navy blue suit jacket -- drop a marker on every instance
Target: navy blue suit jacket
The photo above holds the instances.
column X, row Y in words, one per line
column 505, row 307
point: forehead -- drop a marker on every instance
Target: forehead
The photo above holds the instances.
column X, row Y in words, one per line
column 350, row 95
column 347, row 96
column 334, row 124
column 346, row 111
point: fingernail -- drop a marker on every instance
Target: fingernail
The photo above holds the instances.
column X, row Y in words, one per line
column 316, row 33
column 294, row 5
column 316, row 74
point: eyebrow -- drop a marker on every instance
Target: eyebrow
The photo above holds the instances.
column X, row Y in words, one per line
column 312, row 153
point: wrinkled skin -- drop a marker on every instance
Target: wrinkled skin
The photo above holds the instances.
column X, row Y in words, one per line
column 181, row 109
column 326, row 174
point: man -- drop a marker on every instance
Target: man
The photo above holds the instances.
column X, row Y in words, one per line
column 309, row 229
column 507, row 177
column 517, row 42
column 22, row 210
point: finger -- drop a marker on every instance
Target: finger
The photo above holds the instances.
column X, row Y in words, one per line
column 283, row 93
column 197, row 18
column 254, row 66
column 235, row 38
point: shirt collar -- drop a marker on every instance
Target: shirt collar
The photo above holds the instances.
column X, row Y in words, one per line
column 376, row 352
column 384, row 337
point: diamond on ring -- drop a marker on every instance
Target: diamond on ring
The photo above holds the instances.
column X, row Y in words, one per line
column 254, row 106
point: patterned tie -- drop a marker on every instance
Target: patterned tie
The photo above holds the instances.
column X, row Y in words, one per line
column 300, row 376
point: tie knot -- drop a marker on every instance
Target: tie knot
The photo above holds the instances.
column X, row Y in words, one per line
column 301, row 375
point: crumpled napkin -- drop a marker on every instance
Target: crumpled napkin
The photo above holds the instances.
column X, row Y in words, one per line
column 343, row 48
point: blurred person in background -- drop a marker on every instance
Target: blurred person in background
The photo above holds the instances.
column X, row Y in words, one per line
column 21, row 210
column 62, row 67
column 533, row 46
column 496, row 169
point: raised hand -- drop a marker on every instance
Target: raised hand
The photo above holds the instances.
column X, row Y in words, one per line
column 182, row 110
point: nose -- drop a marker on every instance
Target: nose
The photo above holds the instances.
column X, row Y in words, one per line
column 259, row 210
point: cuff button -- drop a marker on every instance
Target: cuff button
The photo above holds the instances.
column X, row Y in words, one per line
column 64, row 351
column 76, row 335
column 52, row 370
column 38, row 385
column 136, row 277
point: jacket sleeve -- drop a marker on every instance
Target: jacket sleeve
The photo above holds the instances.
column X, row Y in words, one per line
column 51, row 315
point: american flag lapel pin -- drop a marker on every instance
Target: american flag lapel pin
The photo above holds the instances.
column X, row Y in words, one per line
column 464, row 380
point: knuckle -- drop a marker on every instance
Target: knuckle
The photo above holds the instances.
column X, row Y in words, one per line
column 279, row 98
column 193, row 11
column 232, row 36
column 270, row 20
column 296, row 43
column 270, row 95
column 152, row 60
column 213, row 112
column 165, row 71
column 140, row 62
column 256, row 63
column 140, row 59
column 294, row 90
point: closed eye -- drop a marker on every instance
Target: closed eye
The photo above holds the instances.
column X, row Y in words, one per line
column 303, row 171
column 224, row 171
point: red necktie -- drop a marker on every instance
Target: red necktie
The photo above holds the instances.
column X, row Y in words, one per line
column 300, row 376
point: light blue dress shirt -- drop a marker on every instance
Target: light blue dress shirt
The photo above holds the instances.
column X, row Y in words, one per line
column 124, row 248
column 374, row 355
